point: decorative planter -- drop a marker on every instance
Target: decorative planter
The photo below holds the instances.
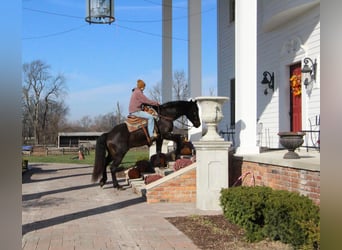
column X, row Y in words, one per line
column 291, row 141
column 211, row 107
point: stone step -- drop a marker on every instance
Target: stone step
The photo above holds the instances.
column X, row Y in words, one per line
column 138, row 185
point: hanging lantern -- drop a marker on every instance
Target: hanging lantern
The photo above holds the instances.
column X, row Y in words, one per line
column 100, row 11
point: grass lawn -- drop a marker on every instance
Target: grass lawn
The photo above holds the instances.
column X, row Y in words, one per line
column 130, row 158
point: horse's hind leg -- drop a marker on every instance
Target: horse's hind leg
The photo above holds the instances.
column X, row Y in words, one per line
column 104, row 174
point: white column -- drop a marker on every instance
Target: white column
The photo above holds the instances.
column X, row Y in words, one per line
column 245, row 75
column 195, row 47
column 167, row 52
column 195, row 57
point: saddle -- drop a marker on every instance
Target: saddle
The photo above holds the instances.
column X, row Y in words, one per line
column 134, row 123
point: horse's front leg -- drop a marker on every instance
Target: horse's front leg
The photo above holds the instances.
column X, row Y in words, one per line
column 159, row 143
column 177, row 139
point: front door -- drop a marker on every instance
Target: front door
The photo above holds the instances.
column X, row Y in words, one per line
column 296, row 97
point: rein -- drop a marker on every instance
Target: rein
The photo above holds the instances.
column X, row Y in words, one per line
column 184, row 124
column 171, row 119
column 165, row 117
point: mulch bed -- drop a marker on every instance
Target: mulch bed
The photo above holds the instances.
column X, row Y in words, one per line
column 216, row 232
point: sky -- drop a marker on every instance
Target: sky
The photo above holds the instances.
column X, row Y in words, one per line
column 102, row 62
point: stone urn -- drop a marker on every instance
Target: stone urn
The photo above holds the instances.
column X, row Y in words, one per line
column 211, row 114
column 291, row 141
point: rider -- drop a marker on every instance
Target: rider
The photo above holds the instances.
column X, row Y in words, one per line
column 137, row 99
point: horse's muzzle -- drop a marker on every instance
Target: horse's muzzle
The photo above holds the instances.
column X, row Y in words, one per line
column 197, row 124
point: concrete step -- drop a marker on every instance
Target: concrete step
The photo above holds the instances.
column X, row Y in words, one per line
column 138, row 185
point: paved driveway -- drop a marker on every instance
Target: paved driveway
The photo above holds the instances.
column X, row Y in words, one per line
column 62, row 209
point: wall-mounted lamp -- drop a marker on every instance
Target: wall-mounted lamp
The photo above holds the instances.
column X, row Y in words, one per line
column 309, row 69
column 100, row 11
column 269, row 80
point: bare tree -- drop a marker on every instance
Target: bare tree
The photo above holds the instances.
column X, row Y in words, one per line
column 181, row 90
column 118, row 115
column 41, row 93
column 86, row 122
column 155, row 92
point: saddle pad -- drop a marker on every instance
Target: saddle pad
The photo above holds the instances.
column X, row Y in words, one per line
column 134, row 123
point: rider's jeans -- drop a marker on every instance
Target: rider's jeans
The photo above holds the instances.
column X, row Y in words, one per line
column 150, row 120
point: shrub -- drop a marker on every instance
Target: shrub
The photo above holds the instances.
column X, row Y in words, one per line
column 244, row 206
column 144, row 166
column 152, row 178
column 134, row 173
column 274, row 214
column 292, row 219
column 158, row 160
column 181, row 163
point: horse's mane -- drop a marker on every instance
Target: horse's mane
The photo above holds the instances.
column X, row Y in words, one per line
column 173, row 103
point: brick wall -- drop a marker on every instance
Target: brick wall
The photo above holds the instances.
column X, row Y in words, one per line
column 182, row 187
column 304, row 182
column 179, row 188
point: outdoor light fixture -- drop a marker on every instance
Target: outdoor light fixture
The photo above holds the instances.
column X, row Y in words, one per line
column 269, row 80
column 309, row 69
column 100, row 11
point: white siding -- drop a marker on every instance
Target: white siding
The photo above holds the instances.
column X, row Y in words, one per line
column 279, row 45
column 226, row 57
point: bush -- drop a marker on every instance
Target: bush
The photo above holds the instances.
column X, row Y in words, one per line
column 151, row 178
column 291, row 218
column 274, row 214
column 244, row 206
column 181, row 163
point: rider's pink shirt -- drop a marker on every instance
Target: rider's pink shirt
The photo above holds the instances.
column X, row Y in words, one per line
column 137, row 99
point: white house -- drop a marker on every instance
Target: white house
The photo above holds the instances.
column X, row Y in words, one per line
column 274, row 36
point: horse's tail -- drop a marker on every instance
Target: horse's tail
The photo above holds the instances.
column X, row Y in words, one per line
column 100, row 157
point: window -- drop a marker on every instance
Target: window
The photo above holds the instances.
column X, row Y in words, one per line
column 232, row 103
column 231, row 11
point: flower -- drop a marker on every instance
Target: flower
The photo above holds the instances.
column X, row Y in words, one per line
column 152, row 178
column 296, row 84
column 182, row 163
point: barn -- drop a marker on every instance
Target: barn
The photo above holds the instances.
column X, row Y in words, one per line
column 76, row 139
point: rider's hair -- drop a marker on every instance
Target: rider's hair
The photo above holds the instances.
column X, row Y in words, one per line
column 141, row 84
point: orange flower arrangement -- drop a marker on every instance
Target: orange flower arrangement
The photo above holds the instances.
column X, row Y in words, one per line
column 296, row 84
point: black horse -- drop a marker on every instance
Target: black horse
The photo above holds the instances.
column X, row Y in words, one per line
column 119, row 140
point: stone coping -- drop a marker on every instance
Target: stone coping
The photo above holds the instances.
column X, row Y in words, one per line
column 308, row 160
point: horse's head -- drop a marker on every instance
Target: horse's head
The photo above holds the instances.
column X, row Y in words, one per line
column 192, row 113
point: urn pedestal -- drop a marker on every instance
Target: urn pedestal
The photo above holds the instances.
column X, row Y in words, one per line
column 211, row 156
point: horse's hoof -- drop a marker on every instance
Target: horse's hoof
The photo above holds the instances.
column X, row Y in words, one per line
column 102, row 184
column 119, row 187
